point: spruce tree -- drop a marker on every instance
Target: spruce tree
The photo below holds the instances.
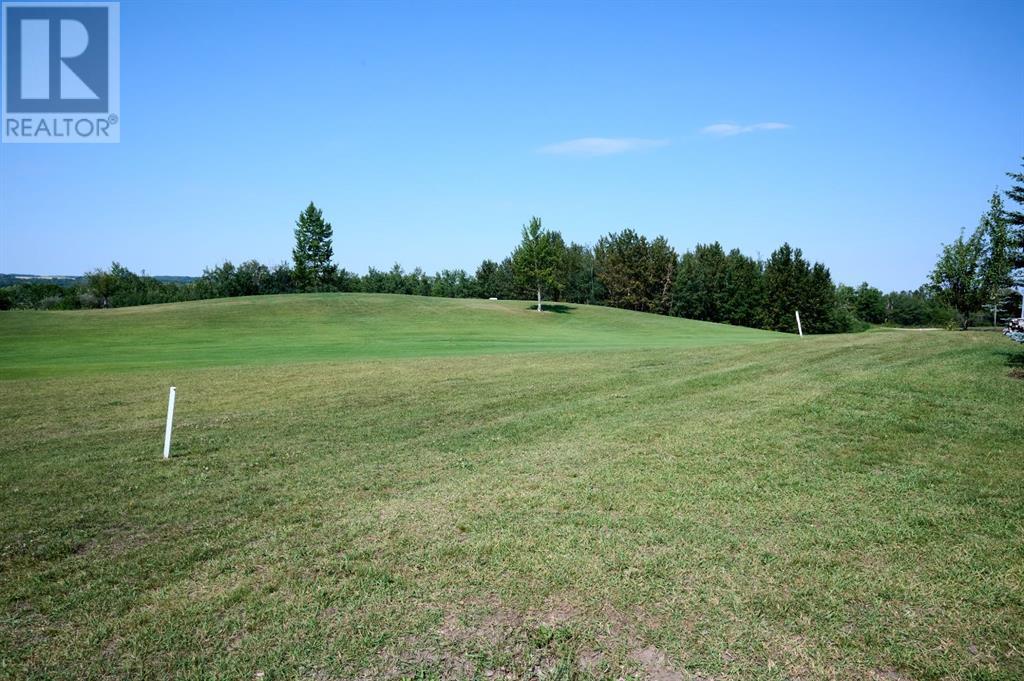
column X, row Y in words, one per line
column 744, row 285
column 313, row 249
column 578, row 270
column 635, row 273
column 1015, row 218
column 786, row 283
column 701, row 287
column 486, row 279
column 818, row 309
column 1016, row 194
column 621, row 260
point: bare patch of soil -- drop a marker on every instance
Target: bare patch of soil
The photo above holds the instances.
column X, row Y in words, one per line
column 592, row 662
column 656, row 665
column 556, row 612
column 535, row 641
column 113, row 542
column 494, row 627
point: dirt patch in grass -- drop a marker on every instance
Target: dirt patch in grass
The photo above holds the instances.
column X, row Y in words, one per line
column 557, row 612
column 655, row 664
column 888, row 675
column 413, row 655
column 1017, row 373
column 592, row 662
column 485, row 638
column 492, row 628
column 113, row 542
column 482, row 639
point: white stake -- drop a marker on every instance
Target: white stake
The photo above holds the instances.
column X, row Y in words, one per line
column 170, row 420
column 798, row 327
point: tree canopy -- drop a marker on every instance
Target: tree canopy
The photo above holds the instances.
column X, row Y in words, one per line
column 534, row 262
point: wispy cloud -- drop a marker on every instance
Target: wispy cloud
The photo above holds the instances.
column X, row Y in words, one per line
column 601, row 146
column 730, row 129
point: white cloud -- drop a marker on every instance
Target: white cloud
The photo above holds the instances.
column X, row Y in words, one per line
column 601, row 146
column 730, row 129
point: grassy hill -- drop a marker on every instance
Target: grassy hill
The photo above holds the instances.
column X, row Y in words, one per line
column 306, row 328
column 386, row 487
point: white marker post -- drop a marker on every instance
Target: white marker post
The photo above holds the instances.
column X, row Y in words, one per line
column 798, row 327
column 170, row 420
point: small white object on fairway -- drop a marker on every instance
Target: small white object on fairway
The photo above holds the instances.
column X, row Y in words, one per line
column 170, row 420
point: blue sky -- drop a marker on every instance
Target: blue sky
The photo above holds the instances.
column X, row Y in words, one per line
column 866, row 134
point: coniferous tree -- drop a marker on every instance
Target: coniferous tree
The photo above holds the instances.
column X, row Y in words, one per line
column 744, row 285
column 786, row 275
column 486, row 279
column 701, row 287
column 818, row 307
column 579, row 276
column 635, row 274
column 505, row 279
column 621, row 260
column 313, row 249
column 1015, row 218
column 1016, row 194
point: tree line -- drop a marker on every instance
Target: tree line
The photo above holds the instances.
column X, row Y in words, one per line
column 622, row 269
column 984, row 271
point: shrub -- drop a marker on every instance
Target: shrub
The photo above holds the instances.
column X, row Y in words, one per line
column 88, row 300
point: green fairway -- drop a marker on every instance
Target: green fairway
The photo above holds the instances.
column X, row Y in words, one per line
column 372, row 486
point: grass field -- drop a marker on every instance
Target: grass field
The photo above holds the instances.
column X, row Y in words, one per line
column 382, row 487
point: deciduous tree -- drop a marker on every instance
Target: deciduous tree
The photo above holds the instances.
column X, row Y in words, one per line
column 869, row 304
column 959, row 276
column 534, row 260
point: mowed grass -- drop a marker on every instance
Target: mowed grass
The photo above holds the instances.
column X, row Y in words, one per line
column 275, row 329
column 378, row 487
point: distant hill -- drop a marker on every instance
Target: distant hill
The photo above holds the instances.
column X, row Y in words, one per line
column 59, row 279
column 68, row 280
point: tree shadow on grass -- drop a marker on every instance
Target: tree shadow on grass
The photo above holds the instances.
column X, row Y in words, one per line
column 1013, row 359
column 557, row 308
